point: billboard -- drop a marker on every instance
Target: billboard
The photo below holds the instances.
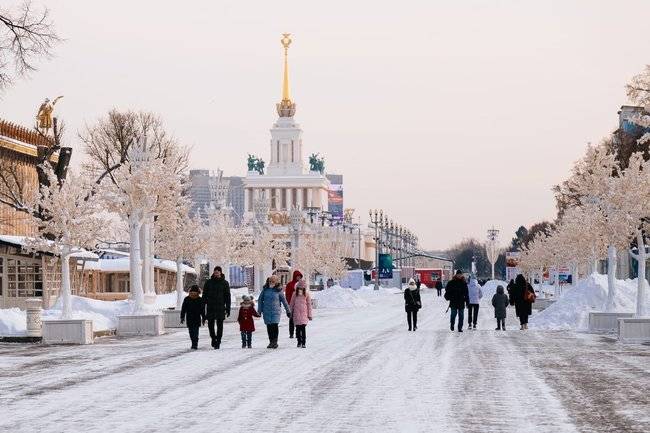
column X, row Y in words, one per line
column 385, row 267
column 335, row 202
column 512, row 265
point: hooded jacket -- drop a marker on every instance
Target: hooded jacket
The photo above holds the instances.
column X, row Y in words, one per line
column 246, row 313
column 291, row 285
column 474, row 291
column 270, row 304
column 301, row 309
column 412, row 299
column 500, row 304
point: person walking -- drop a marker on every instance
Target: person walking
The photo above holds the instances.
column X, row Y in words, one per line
column 193, row 312
column 216, row 296
column 439, row 287
column 523, row 296
column 301, row 312
column 269, row 305
column 288, row 293
column 246, row 322
column 456, row 293
column 412, row 304
column 500, row 303
column 475, row 295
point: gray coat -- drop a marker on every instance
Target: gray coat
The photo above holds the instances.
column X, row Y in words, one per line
column 500, row 303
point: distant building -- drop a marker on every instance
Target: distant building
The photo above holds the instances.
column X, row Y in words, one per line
column 208, row 190
column 235, row 198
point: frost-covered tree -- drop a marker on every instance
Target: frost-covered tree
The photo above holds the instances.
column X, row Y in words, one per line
column 223, row 238
column 71, row 220
column 141, row 186
column 261, row 250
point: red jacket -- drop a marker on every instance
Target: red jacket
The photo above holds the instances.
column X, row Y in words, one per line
column 291, row 286
column 246, row 313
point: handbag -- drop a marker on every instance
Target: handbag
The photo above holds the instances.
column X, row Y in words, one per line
column 529, row 296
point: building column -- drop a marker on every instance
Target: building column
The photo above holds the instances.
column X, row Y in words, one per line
column 278, row 199
column 247, row 194
column 289, row 198
column 299, row 198
column 310, row 197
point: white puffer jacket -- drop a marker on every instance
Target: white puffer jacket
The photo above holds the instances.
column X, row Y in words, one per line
column 475, row 292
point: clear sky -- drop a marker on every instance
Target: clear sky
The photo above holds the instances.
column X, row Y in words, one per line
column 452, row 116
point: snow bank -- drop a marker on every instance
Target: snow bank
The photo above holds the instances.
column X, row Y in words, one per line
column 571, row 311
column 490, row 288
column 12, row 322
column 370, row 292
column 339, row 297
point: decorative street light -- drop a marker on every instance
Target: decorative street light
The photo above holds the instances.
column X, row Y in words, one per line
column 295, row 220
column 375, row 220
column 492, row 247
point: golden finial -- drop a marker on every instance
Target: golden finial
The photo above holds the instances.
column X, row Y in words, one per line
column 286, row 108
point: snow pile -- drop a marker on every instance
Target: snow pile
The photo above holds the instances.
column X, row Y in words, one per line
column 339, row 297
column 12, row 322
column 490, row 288
column 571, row 311
column 370, row 292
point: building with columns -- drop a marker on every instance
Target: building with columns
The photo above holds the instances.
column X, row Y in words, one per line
column 287, row 182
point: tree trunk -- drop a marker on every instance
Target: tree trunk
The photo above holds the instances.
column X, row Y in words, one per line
column 641, row 261
column 557, row 293
column 179, row 283
column 146, row 254
column 66, row 291
column 492, row 270
column 135, row 265
column 611, row 277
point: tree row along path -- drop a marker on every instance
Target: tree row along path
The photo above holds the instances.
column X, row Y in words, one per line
column 361, row 371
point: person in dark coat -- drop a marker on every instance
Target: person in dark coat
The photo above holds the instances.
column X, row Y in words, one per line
column 457, row 294
column 412, row 304
column 439, row 287
column 418, row 283
column 500, row 303
column 246, row 322
column 288, row 293
column 216, row 296
column 523, row 308
column 193, row 313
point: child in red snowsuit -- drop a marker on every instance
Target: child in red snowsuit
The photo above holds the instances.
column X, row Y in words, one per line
column 246, row 323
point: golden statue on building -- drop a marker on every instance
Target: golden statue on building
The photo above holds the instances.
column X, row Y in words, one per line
column 45, row 114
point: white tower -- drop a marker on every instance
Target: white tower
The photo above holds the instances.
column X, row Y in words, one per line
column 286, row 135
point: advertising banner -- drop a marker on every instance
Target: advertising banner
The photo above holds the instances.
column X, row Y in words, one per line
column 335, row 202
column 385, row 266
column 512, row 265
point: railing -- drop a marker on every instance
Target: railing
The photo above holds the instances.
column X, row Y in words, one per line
column 25, row 135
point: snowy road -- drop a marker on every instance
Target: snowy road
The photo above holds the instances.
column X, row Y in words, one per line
column 361, row 372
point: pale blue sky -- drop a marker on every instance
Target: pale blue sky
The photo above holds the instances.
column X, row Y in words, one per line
column 452, row 116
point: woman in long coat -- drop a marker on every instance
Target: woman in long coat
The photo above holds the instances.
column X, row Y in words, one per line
column 412, row 304
column 269, row 305
column 523, row 308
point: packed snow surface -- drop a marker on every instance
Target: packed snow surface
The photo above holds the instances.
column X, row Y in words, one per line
column 571, row 310
column 12, row 322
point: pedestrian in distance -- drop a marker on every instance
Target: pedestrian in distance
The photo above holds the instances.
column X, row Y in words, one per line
column 301, row 312
column 269, row 305
column 456, row 293
column 418, row 283
column 522, row 297
column 500, row 303
column 193, row 313
column 439, row 287
column 288, row 293
column 412, row 304
column 246, row 321
column 475, row 295
column 216, row 296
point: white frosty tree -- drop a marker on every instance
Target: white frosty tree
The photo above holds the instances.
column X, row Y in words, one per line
column 141, row 186
column 261, row 250
column 223, row 239
column 71, row 220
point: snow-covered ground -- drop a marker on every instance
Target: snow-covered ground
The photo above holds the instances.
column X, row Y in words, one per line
column 361, row 371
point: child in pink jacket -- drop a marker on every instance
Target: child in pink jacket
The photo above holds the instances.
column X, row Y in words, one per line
column 301, row 312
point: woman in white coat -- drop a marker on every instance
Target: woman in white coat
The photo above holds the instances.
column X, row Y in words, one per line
column 475, row 295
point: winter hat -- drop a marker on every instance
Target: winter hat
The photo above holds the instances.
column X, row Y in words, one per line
column 411, row 282
column 500, row 289
column 459, row 272
column 195, row 288
column 301, row 284
column 246, row 298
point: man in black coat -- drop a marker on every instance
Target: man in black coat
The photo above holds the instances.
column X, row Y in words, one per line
column 457, row 294
column 216, row 296
column 439, row 287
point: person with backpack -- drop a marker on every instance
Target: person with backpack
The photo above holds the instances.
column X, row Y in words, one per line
column 412, row 304
column 456, row 293
column 475, row 295
column 523, row 296
column 500, row 303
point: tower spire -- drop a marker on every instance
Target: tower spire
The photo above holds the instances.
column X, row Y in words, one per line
column 286, row 108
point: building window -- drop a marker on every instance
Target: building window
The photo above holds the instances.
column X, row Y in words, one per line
column 24, row 278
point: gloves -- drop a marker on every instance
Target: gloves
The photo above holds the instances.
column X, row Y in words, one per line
column 182, row 321
column 203, row 323
column 228, row 313
column 289, row 315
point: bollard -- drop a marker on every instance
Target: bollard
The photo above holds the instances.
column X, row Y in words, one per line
column 33, row 315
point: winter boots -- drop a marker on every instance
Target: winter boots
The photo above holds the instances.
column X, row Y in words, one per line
column 273, row 344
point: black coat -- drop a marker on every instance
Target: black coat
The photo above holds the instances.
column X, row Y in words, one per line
column 412, row 300
column 500, row 304
column 522, row 307
column 438, row 285
column 457, row 293
column 193, row 311
column 216, row 296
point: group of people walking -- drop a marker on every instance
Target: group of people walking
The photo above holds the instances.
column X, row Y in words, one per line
column 214, row 307
column 462, row 294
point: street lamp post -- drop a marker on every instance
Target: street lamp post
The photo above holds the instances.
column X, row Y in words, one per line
column 492, row 247
column 295, row 219
column 261, row 206
column 375, row 219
